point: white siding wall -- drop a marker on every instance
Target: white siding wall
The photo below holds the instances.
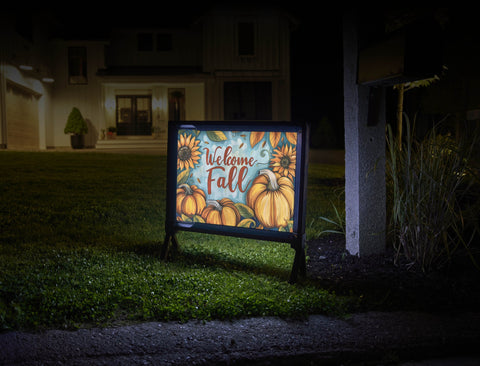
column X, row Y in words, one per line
column 87, row 98
column 271, row 61
column 187, row 47
column 220, row 43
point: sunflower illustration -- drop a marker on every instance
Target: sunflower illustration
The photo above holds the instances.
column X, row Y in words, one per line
column 284, row 161
column 187, row 152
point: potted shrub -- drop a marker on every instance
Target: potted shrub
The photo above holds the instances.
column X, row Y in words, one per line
column 77, row 128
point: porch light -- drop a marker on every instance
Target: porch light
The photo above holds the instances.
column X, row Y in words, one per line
column 26, row 67
column 110, row 103
column 158, row 103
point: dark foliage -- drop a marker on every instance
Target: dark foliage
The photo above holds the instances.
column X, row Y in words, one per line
column 381, row 285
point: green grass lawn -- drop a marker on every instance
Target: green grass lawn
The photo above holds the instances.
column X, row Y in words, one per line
column 80, row 236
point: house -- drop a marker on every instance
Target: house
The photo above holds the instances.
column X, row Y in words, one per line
column 230, row 63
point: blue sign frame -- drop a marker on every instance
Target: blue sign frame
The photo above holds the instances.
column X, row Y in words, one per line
column 192, row 148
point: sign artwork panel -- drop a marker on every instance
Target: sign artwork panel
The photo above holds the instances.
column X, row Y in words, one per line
column 242, row 179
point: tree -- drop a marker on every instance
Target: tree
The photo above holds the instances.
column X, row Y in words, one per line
column 402, row 88
column 399, row 18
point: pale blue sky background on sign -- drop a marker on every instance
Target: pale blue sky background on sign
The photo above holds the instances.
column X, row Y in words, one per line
column 240, row 143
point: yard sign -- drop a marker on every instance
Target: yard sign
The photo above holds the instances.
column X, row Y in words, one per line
column 245, row 180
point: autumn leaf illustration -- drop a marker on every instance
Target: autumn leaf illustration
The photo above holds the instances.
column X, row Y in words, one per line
column 247, row 223
column 291, row 137
column 183, row 176
column 255, row 137
column 274, row 138
column 197, row 218
column 244, row 210
column 216, row 136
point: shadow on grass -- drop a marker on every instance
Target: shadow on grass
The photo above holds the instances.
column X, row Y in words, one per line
column 370, row 283
column 213, row 260
column 219, row 261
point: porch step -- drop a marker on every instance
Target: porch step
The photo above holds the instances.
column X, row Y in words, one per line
column 132, row 143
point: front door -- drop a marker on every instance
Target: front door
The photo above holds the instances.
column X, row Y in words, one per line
column 134, row 115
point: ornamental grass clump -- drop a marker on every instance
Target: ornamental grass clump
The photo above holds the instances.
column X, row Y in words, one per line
column 427, row 182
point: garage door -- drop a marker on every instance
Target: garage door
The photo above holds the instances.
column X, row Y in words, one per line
column 22, row 117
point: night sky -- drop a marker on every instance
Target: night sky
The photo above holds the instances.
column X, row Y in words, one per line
column 317, row 68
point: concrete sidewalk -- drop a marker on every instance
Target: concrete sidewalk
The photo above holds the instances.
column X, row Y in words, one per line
column 374, row 338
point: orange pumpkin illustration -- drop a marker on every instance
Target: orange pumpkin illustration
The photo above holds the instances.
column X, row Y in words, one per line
column 271, row 196
column 221, row 212
column 190, row 200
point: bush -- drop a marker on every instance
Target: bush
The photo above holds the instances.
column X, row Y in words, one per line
column 426, row 182
column 76, row 123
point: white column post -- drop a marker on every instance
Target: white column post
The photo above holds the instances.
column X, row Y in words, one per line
column 365, row 195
